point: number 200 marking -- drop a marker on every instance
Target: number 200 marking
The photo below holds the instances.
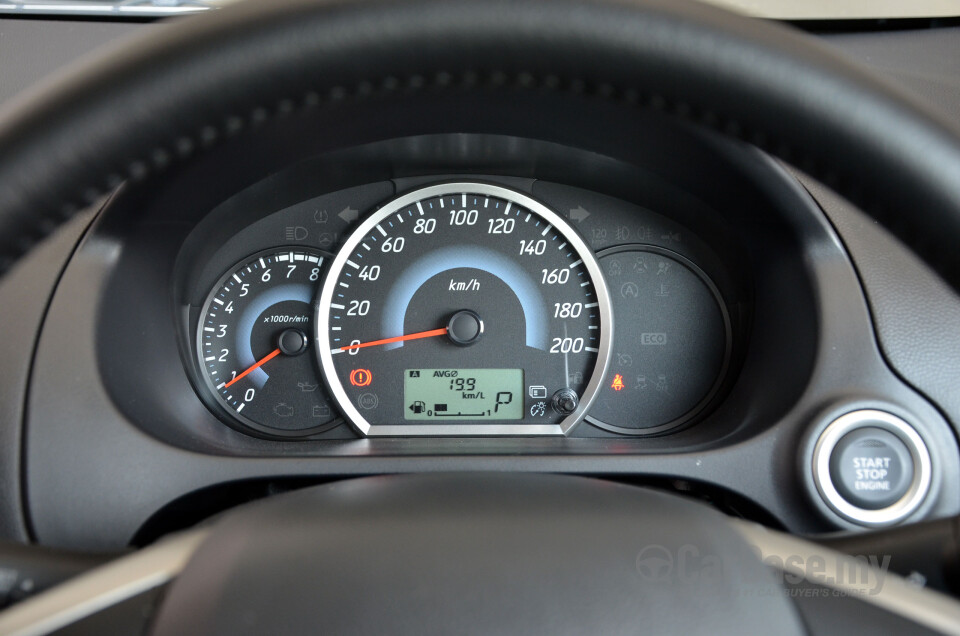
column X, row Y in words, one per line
column 567, row 345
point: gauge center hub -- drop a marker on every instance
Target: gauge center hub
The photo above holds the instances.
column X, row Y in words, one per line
column 292, row 342
column 465, row 327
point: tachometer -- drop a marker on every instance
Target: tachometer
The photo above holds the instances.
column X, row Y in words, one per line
column 254, row 344
column 464, row 309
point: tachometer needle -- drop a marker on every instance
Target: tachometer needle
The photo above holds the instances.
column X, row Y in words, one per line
column 256, row 365
column 409, row 336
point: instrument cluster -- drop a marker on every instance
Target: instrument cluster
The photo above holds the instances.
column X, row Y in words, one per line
column 462, row 307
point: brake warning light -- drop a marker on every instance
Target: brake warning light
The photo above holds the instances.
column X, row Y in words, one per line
column 361, row 377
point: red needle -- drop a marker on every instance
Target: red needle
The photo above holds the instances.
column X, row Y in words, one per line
column 256, row 365
column 409, row 336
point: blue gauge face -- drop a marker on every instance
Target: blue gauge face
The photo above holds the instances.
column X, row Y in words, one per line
column 464, row 309
column 254, row 344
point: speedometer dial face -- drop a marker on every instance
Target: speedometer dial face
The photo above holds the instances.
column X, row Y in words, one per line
column 464, row 309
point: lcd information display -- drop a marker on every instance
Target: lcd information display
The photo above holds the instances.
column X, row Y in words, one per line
column 463, row 394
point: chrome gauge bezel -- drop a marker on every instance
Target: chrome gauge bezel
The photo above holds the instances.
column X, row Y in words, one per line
column 322, row 320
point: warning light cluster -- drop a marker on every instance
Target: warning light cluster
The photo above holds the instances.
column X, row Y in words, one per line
column 618, row 384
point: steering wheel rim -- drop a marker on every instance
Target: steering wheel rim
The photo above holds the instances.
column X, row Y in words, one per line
column 474, row 552
column 164, row 98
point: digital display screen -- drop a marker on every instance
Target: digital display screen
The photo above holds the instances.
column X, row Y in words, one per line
column 463, row 394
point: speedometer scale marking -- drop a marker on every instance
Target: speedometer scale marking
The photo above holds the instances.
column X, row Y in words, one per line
column 464, row 309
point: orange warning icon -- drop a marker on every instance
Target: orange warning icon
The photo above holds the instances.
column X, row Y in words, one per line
column 618, row 384
column 361, row 377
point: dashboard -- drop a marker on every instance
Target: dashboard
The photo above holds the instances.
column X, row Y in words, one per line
column 648, row 303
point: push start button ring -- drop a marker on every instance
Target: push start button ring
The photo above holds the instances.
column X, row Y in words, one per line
column 915, row 493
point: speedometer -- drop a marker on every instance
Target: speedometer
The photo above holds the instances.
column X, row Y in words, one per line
column 464, row 309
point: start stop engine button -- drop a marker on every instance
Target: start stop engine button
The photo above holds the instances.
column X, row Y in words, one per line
column 872, row 468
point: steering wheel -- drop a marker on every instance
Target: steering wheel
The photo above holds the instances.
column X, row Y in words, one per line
column 446, row 553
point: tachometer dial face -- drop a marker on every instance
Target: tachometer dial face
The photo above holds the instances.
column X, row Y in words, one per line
column 464, row 309
column 255, row 349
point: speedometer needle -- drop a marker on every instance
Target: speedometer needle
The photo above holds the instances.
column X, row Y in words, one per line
column 409, row 336
column 256, row 365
